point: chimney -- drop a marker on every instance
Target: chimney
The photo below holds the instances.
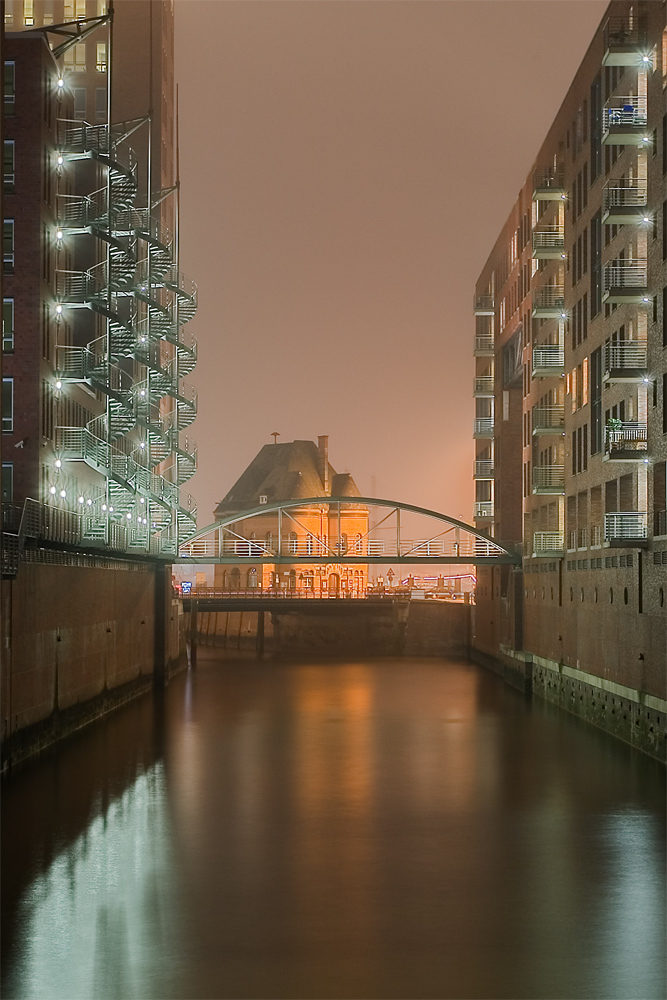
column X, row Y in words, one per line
column 323, row 462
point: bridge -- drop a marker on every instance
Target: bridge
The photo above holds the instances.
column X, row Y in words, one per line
column 241, row 537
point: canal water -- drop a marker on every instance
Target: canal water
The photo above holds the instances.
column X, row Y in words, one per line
column 389, row 828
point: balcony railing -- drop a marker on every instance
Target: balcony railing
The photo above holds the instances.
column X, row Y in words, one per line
column 483, row 427
column 549, row 302
column 549, row 479
column 548, row 360
column 625, row 526
column 483, row 385
column 549, row 420
column 548, row 184
column 549, row 243
column 483, row 305
column 625, row 281
column 548, row 543
column 626, row 441
column 484, row 345
column 625, row 42
column 622, row 203
column 483, row 468
column 625, row 361
column 482, row 509
column 624, row 121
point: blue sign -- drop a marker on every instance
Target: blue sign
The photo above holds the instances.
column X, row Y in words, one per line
column 186, row 586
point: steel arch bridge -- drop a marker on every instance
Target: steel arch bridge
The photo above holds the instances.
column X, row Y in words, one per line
column 232, row 541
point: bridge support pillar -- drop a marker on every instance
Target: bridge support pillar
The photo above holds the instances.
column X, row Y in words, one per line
column 193, row 632
column 260, row 632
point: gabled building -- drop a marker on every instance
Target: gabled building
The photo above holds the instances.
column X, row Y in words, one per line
column 293, row 471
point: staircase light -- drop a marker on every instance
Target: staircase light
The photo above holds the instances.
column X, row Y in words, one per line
column 61, row 83
column 111, row 510
column 129, row 517
column 52, row 491
column 60, row 161
column 80, row 499
column 59, row 234
column 63, row 493
column 59, row 385
column 58, row 463
column 59, row 309
column 104, row 506
column 89, row 503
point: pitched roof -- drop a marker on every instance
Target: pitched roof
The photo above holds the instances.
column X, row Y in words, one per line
column 286, row 471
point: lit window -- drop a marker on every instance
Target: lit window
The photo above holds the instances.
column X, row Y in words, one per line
column 80, row 9
column 68, row 11
column 101, row 8
column 9, row 12
column 8, row 167
column 293, row 544
column 28, row 11
column 7, row 405
column 8, row 246
column 101, row 57
column 7, row 326
column 75, row 58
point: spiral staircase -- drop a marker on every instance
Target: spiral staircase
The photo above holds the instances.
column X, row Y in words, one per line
column 139, row 445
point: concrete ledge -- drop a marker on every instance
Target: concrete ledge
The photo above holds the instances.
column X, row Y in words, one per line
column 635, row 717
column 62, row 723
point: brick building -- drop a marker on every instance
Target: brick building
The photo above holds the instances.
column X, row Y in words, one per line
column 96, row 347
column 291, row 471
column 571, row 379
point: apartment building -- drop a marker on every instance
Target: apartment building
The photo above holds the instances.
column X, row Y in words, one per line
column 96, row 346
column 571, row 377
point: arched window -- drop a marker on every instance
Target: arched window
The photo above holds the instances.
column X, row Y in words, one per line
column 252, row 578
column 357, row 543
column 235, row 578
column 343, row 544
column 292, row 579
column 269, row 541
column 309, row 545
column 292, row 544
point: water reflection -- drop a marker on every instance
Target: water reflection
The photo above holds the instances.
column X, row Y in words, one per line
column 97, row 922
column 382, row 829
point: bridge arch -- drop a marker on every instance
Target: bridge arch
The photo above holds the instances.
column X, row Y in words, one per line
column 455, row 541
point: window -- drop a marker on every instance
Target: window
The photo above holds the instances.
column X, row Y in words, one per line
column 292, row 546
column 79, row 102
column 28, row 11
column 7, row 405
column 7, row 326
column 10, row 87
column 101, row 57
column 7, row 482
column 309, row 545
column 263, row 498
column 8, row 167
column 8, row 246
column 101, row 104
column 68, row 10
column 46, row 331
column 75, row 58
column 80, row 9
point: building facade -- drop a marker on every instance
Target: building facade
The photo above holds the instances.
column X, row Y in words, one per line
column 571, row 378
column 97, row 350
column 291, row 471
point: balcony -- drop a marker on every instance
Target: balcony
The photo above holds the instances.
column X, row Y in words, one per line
column 548, row 185
column 625, row 442
column 548, row 421
column 548, row 361
column 626, row 528
column 549, row 243
column 483, row 305
column 625, row 281
column 484, row 346
column 483, row 468
column 625, row 42
column 483, row 427
column 549, row 479
column 548, row 543
column 625, row 122
column 482, row 510
column 625, row 361
column 624, row 204
column 549, row 302
column 483, row 386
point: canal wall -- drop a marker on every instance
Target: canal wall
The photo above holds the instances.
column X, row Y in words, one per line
column 342, row 628
column 81, row 635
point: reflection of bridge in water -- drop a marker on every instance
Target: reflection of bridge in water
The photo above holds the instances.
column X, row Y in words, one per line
column 233, row 541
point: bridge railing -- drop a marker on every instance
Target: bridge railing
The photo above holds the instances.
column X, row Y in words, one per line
column 316, row 548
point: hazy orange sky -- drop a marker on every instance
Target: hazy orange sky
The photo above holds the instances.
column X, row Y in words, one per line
column 346, row 166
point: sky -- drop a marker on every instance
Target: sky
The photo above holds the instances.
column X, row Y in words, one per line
column 346, row 166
